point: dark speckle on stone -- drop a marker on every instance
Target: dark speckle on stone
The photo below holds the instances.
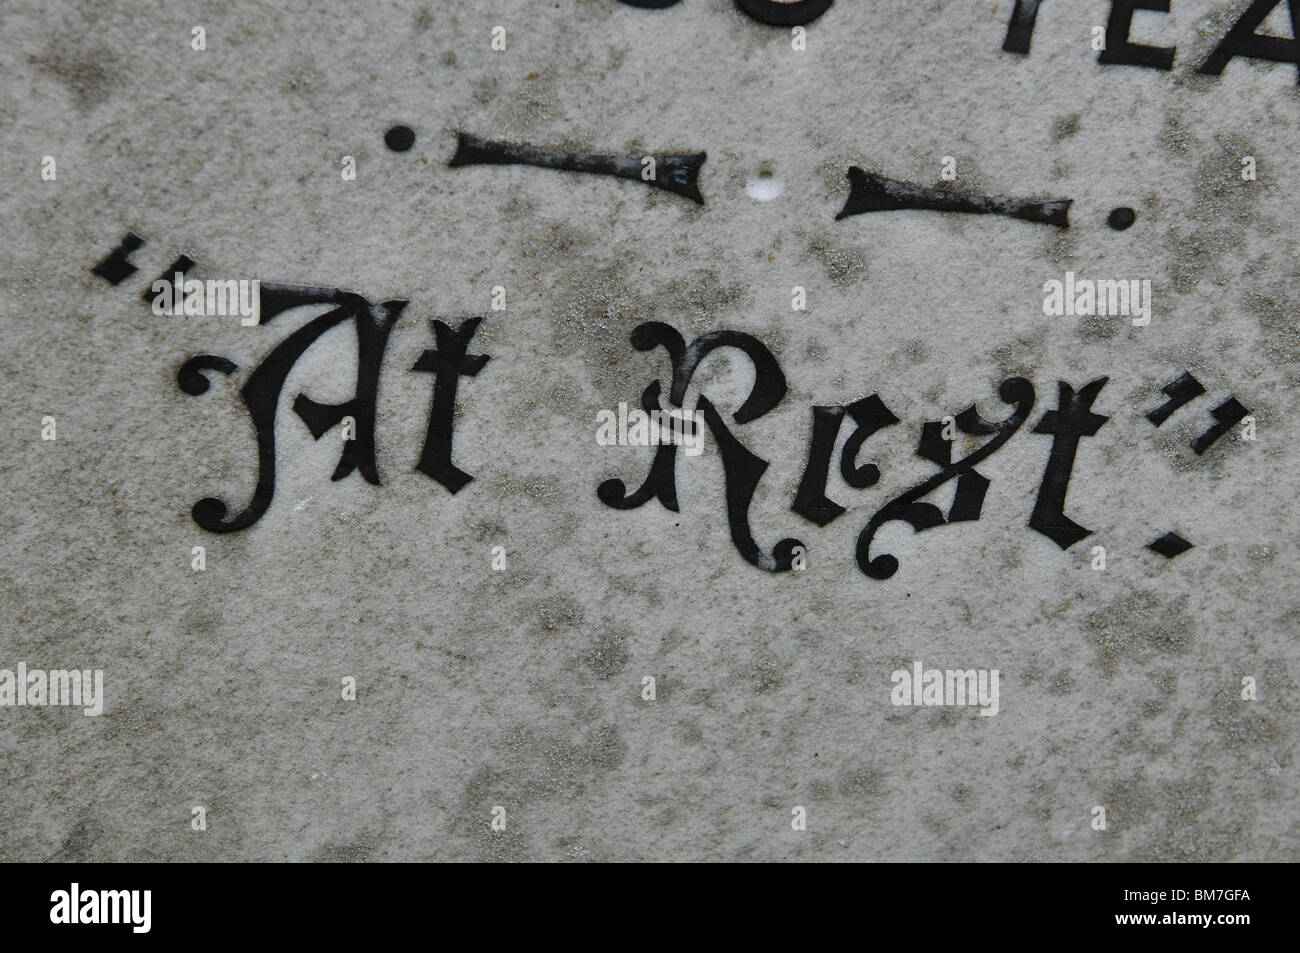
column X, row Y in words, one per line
column 88, row 72
column 1065, row 126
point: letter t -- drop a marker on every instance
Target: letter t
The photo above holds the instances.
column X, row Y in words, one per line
column 1072, row 419
column 448, row 362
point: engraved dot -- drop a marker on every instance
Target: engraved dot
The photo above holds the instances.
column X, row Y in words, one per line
column 399, row 138
column 764, row 184
column 1121, row 218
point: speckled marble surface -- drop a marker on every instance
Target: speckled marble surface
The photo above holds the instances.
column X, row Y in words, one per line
column 522, row 688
